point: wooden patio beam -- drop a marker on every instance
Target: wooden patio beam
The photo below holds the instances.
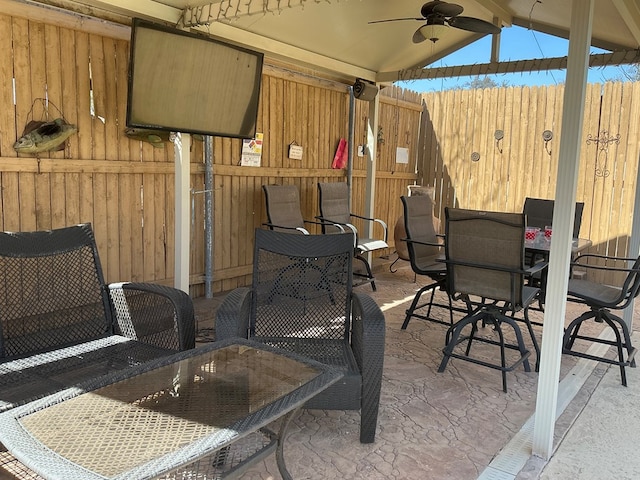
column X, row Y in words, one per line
column 517, row 66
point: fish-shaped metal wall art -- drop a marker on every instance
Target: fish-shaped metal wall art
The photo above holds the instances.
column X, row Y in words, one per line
column 44, row 136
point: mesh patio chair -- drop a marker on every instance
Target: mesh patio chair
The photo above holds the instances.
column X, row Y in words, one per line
column 601, row 299
column 426, row 252
column 485, row 261
column 333, row 200
column 283, row 209
column 332, row 325
column 539, row 213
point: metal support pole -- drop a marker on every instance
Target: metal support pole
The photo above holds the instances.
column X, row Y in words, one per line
column 208, row 216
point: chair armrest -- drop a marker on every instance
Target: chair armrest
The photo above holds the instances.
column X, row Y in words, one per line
column 577, row 262
column 323, row 223
column 367, row 332
column 538, row 267
column 376, row 220
column 299, row 229
column 232, row 317
column 427, row 244
column 154, row 314
column 367, row 343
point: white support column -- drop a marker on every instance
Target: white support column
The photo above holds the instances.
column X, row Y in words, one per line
column 560, row 255
column 634, row 245
column 182, row 144
column 372, row 152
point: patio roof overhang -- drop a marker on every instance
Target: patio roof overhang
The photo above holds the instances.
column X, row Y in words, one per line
column 334, row 38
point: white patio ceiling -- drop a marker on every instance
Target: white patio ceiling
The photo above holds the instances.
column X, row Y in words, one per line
column 334, row 36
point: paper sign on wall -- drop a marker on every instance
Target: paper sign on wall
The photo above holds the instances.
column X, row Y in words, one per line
column 251, row 151
column 295, row 152
column 402, row 155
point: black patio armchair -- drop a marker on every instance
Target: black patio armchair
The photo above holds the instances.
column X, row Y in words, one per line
column 601, row 299
column 301, row 300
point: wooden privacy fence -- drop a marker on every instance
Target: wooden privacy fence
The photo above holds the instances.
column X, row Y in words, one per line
column 490, row 149
column 125, row 187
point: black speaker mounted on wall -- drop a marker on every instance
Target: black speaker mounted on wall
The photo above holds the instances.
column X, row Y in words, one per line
column 363, row 90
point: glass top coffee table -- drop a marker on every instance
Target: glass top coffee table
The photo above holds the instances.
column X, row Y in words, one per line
column 195, row 414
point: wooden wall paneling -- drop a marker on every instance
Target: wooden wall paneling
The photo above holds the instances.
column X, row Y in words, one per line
column 616, row 163
column 159, row 226
column 149, row 226
column 125, row 221
column 489, row 100
column 24, row 99
column 503, row 117
column 459, row 142
column 522, row 157
column 137, row 228
column 227, row 222
column 534, row 156
column 98, row 94
column 46, row 197
column 237, row 214
column 8, row 132
column 551, row 156
column 603, row 183
column 84, row 125
column 509, row 144
column 622, row 217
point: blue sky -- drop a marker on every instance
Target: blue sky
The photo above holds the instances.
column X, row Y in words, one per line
column 516, row 44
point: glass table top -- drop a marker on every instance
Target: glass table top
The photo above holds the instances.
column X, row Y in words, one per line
column 209, row 395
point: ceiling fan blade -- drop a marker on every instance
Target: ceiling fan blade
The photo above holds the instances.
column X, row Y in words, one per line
column 473, row 25
column 395, row 20
column 445, row 9
column 418, row 37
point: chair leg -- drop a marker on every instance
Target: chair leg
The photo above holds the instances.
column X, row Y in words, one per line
column 416, row 299
column 622, row 341
column 452, row 338
column 496, row 318
column 534, row 340
column 369, row 274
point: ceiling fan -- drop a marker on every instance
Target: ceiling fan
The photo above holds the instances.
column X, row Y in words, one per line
column 437, row 14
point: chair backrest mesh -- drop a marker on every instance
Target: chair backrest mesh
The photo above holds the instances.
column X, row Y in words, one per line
column 51, row 293
column 302, row 288
column 333, row 203
column 283, row 206
column 539, row 213
column 418, row 223
column 490, row 239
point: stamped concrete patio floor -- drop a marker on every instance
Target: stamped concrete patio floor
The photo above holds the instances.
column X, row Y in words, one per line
column 455, row 425
column 431, row 425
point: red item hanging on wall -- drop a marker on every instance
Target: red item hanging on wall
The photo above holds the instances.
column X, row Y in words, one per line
column 342, row 155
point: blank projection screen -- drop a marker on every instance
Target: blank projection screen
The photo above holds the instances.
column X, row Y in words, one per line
column 184, row 82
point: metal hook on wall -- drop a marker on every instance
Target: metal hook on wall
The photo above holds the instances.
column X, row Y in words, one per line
column 499, row 135
column 547, row 136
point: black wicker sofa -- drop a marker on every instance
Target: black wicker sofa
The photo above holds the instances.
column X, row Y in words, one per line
column 60, row 324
